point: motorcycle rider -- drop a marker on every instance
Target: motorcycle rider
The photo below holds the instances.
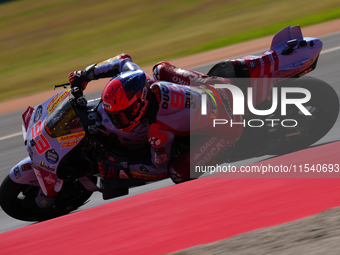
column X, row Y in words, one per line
column 165, row 107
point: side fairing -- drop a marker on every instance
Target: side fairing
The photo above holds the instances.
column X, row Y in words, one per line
column 23, row 173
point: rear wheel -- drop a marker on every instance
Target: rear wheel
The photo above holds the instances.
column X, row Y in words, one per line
column 19, row 201
column 324, row 107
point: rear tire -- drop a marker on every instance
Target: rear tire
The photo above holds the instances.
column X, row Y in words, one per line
column 324, row 107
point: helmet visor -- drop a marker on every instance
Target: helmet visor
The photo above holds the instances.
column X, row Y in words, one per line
column 124, row 118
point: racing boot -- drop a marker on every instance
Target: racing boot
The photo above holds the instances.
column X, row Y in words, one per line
column 179, row 169
column 164, row 71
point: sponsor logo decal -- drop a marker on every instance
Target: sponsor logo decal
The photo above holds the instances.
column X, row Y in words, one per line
column 49, row 179
column 17, row 172
column 156, row 138
column 71, row 137
column 252, row 64
column 26, row 116
column 166, row 97
column 192, row 76
column 143, row 176
column 209, row 150
column 69, row 144
column 26, row 167
column 47, row 167
column 52, row 156
column 54, row 102
column 160, row 158
column 144, row 93
column 38, row 113
column 157, row 93
column 154, row 141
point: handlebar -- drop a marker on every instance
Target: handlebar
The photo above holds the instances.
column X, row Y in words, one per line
column 62, row 85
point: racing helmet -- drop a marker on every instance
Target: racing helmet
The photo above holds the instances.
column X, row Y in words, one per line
column 125, row 99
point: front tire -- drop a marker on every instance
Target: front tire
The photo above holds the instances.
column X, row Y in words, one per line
column 18, row 200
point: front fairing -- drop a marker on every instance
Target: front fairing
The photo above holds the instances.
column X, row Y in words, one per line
column 52, row 132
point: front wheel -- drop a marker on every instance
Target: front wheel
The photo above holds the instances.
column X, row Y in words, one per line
column 20, row 201
column 324, row 107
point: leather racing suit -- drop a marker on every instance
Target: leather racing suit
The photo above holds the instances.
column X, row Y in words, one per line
column 175, row 111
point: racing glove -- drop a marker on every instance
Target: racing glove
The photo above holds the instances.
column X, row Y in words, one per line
column 109, row 169
column 80, row 79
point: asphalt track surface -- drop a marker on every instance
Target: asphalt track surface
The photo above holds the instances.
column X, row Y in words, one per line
column 12, row 149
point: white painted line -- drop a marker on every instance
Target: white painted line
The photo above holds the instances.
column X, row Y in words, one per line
column 10, row 136
column 331, row 49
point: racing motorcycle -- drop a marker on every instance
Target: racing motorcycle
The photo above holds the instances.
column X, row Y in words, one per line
column 65, row 140
column 65, row 137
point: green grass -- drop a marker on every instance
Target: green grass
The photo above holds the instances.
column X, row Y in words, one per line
column 42, row 41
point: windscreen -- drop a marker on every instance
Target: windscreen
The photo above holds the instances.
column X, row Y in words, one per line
column 63, row 121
